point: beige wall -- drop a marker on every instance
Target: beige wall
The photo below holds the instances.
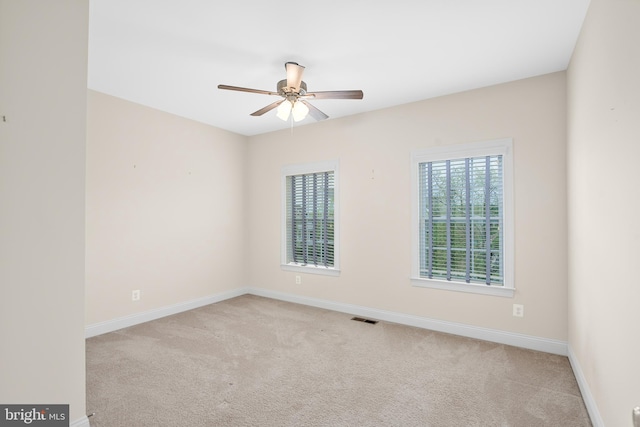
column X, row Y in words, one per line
column 604, row 231
column 43, row 81
column 165, row 209
column 374, row 153
column 167, row 197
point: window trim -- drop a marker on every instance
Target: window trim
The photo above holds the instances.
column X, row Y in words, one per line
column 502, row 147
column 307, row 168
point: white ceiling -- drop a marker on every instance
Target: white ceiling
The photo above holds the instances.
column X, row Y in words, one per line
column 172, row 54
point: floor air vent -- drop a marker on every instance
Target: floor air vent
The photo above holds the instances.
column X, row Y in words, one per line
column 360, row 319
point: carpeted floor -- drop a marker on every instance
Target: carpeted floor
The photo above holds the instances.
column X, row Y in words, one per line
column 253, row 361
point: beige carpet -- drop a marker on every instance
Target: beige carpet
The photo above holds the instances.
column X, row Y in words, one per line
column 253, row 361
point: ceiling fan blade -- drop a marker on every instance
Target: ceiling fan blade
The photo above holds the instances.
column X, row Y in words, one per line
column 267, row 108
column 246, row 89
column 337, row 94
column 314, row 112
column 294, row 75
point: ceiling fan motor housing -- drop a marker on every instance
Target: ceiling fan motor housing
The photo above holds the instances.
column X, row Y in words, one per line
column 284, row 90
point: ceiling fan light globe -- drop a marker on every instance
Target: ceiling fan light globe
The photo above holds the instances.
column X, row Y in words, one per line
column 299, row 111
column 284, row 110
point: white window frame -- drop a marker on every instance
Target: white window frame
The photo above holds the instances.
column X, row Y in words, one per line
column 307, row 168
column 502, row 147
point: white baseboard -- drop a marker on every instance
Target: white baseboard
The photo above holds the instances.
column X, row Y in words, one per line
column 587, row 397
column 502, row 337
column 518, row 340
column 82, row 422
column 135, row 319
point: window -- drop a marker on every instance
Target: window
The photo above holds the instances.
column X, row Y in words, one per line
column 463, row 234
column 310, row 206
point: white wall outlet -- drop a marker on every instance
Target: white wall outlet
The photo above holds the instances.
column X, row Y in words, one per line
column 298, row 280
column 135, row 295
column 518, row 310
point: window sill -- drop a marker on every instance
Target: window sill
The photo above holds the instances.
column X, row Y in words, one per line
column 473, row 288
column 311, row 269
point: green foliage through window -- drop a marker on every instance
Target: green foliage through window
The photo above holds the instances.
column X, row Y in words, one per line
column 310, row 219
column 461, row 220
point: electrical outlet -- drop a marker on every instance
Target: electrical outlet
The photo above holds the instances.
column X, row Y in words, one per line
column 518, row 310
column 135, row 295
column 298, row 280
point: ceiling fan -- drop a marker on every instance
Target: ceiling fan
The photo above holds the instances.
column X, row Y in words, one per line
column 294, row 90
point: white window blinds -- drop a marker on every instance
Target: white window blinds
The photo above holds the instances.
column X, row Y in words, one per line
column 461, row 220
column 310, row 219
